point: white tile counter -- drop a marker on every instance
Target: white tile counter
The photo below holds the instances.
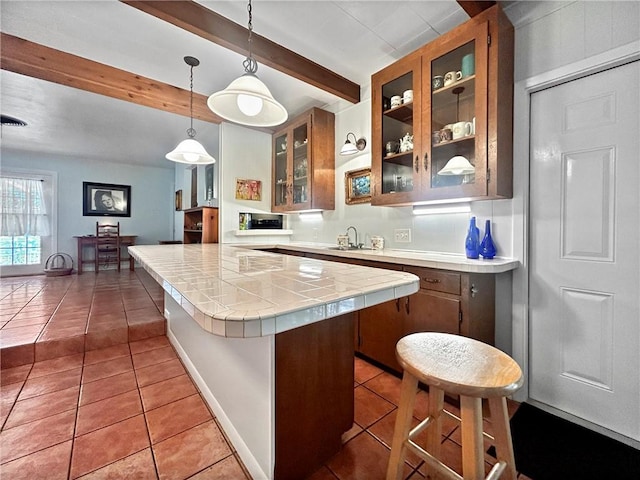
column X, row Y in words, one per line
column 272, row 340
column 239, row 292
column 416, row 258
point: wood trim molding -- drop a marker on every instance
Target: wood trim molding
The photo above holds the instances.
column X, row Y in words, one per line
column 473, row 8
column 34, row 60
column 201, row 21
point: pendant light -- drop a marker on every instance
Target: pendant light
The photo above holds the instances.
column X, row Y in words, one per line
column 190, row 150
column 247, row 100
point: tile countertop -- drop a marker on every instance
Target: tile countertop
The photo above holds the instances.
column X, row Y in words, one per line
column 416, row 258
column 240, row 292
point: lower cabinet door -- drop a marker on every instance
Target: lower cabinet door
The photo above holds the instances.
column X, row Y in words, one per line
column 380, row 328
column 432, row 312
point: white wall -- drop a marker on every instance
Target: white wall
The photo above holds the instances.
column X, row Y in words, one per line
column 152, row 197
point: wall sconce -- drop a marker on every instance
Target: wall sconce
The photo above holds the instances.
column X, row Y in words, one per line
column 458, row 165
column 352, row 148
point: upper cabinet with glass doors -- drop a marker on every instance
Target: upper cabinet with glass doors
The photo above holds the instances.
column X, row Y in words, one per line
column 460, row 121
column 304, row 163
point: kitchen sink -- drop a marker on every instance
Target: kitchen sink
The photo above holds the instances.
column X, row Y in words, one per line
column 349, row 248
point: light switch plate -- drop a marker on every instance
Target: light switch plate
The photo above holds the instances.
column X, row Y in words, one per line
column 403, row 235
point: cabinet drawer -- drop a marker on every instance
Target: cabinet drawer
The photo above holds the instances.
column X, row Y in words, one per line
column 437, row 280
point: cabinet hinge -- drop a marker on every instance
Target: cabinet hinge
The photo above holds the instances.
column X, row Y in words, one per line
column 488, row 175
column 488, row 39
column 459, row 318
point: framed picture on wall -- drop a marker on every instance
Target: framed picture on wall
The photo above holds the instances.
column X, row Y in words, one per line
column 357, row 184
column 106, row 200
column 248, row 189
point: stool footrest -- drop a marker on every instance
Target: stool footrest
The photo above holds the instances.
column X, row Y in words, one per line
column 496, row 471
column 432, row 461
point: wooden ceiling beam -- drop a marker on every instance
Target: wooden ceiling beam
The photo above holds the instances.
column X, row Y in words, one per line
column 212, row 26
column 34, row 60
column 473, row 8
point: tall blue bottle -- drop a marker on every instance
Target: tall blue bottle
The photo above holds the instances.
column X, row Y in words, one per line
column 472, row 242
column 487, row 248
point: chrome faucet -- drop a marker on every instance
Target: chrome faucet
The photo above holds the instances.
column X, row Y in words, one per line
column 355, row 244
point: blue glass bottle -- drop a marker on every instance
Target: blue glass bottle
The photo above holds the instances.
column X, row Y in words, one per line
column 472, row 242
column 487, row 248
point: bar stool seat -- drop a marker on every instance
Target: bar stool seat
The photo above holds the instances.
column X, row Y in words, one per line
column 462, row 366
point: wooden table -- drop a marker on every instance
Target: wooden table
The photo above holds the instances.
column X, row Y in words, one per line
column 89, row 241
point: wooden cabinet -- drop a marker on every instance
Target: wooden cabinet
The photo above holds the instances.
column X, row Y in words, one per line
column 449, row 302
column 475, row 105
column 304, row 163
column 201, row 225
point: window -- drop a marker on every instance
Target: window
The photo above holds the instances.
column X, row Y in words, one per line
column 25, row 226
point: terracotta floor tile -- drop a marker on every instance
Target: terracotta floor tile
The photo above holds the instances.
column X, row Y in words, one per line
column 107, row 445
column 149, row 344
column 189, row 452
column 176, row 417
column 50, row 383
column 138, row 466
column 365, row 371
column 19, row 336
column 56, row 365
column 29, row 438
column 54, row 332
column 322, row 474
column 158, row 372
column 42, row 406
column 363, row 458
column 8, row 395
column 387, row 386
column 369, row 407
column 108, row 411
column 107, row 387
column 26, row 322
column 106, row 369
column 104, row 354
column 227, row 469
column 16, row 355
column 61, row 347
column 15, row 374
column 161, row 393
column 152, row 357
column 48, row 464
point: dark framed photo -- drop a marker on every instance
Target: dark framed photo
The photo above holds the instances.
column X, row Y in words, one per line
column 357, row 184
column 106, row 200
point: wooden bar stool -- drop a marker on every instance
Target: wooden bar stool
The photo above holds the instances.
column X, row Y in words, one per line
column 462, row 366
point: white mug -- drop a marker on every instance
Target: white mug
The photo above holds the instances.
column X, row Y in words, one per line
column 461, row 129
column 452, row 77
column 407, row 96
column 396, row 100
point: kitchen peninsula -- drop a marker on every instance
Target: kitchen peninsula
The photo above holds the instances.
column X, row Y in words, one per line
column 269, row 339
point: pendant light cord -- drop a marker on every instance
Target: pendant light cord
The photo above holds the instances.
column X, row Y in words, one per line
column 191, row 132
column 250, row 65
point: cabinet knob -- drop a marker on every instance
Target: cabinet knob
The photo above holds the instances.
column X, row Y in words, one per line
column 426, row 162
column 417, row 164
column 473, row 290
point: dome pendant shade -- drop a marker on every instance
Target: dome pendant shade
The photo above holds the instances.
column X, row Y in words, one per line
column 190, row 151
column 458, row 165
column 240, row 103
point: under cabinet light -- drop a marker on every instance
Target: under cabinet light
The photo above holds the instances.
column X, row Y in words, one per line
column 311, row 216
column 441, row 209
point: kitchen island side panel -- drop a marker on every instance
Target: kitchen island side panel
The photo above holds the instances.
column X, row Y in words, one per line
column 236, row 378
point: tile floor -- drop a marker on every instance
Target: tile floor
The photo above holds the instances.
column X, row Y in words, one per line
column 130, row 410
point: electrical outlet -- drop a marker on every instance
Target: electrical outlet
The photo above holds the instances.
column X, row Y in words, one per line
column 403, row 235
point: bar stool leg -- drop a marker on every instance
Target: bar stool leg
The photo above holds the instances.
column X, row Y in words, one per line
column 403, row 425
column 472, row 446
column 434, row 431
column 502, row 435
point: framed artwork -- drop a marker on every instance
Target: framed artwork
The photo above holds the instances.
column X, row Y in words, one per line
column 179, row 200
column 106, row 200
column 357, row 185
column 248, row 189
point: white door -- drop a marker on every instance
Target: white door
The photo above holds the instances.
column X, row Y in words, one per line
column 584, row 248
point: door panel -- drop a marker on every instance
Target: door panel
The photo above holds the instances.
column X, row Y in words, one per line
column 584, row 266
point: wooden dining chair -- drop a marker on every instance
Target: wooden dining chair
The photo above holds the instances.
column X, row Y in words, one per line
column 107, row 245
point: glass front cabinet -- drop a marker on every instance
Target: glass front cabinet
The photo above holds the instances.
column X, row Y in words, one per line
column 304, row 164
column 452, row 138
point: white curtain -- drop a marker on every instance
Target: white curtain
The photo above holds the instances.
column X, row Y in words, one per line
column 22, row 208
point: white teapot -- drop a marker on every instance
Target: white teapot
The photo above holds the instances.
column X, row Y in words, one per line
column 406, row 143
